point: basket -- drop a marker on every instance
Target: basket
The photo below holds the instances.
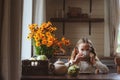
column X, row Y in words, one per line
column 35, row 67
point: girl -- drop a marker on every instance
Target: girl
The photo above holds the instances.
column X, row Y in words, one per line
column 85, row 57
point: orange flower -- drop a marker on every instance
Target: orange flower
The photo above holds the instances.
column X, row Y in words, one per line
column 48, row 24
column 63, row 39
column 44, row 41
column 36, row 38
column 30, row 35
column 44, row 37
column 67, row 42
column 49, row 43
column 37, row 43
column 48, row 34
column 60, row 44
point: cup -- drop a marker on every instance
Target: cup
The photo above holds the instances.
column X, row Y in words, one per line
column 85, row 53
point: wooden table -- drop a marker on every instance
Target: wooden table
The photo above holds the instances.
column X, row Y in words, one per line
column 109, row 76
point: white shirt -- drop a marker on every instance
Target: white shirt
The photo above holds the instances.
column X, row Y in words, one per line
column 85, row 67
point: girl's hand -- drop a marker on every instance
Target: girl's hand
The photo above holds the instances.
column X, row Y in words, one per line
column 92, row 58
column 96, row 71
column 78, row 58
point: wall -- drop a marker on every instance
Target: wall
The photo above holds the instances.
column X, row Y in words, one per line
column 75, row 31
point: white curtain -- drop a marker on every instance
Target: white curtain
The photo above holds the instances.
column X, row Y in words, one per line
column 10, row 35
column 113, row 23
column 39, row 11
column 106, row 30
column 117, row 28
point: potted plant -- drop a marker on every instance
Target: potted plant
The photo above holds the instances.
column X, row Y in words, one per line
column 44, row 40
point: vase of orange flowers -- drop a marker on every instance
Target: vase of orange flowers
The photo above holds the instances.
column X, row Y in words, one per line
column 44, row 40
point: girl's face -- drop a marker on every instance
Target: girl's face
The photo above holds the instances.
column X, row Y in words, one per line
column 83, row 49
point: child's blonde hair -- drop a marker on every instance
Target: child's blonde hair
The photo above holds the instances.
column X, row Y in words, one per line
column 83, row 40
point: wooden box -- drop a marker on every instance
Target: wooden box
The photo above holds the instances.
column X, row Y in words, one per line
column 34, row 67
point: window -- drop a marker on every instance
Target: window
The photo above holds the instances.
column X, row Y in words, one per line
column 118, row 36
column 27, row 19
column 118, row 41
column 33, row 12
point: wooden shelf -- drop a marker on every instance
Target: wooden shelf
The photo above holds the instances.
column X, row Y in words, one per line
column 77, row 19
